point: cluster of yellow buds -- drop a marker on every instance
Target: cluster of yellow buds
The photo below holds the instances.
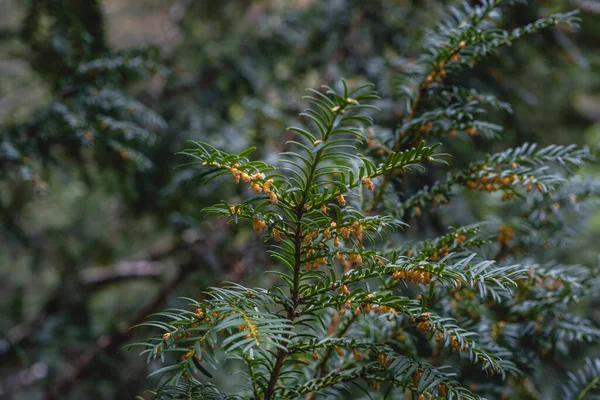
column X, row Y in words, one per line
column 339, row 351
column 315, row 355
column 256, row 187
column 436, row 75
column 397, row 275
column 341, row 200
column 190, row 354
column 381, row 359
column 251, row 328
column 276, row 234
column 416, row 376
column 367, row 307
column 267, row 185
column 335, row 321
column 453, row 342
column 176, row 335
column 382, row 309
column 400, row 337
column 438, row 254
column 344, row 232
column 471, row 131
column 337, row 256
column 199, row 314
column 258, row 224
column 380, row 261
column 255, row 182
column 368, row 183
column 309, row 237
column 492, row 182
column 357, row 355
column 377, row 386
column 442, row 390
column 211, row 320
column 355, row 258
column 349, row 260
column 507, row 196
column 414, row 275
column 505, row 235
column 187, row 355
column 237, row 174
column 425, row 325
column 315, row 263
column 460, row 239
column 573, row 198
column 355, row 229
column 344, row 290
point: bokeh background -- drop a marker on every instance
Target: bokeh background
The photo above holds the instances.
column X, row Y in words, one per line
column 99, row 228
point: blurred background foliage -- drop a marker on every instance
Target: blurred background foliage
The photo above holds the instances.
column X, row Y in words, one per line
column 99, row 227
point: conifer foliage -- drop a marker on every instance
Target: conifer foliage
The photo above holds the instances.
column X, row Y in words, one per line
column 90, row 116
column 462, row 316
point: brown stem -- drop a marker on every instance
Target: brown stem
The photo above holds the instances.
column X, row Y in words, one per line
column 293, row 311
column 281, row 353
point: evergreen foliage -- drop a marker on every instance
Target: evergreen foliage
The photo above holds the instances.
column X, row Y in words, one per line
column 89, row 97
column 92, row 122
column 367, row 292
column 463, row 316
column 583, row 384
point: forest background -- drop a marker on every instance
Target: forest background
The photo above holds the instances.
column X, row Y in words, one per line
column 99, row 228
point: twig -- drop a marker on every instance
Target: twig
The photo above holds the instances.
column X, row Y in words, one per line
column 111, row 343
column 97, row 277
